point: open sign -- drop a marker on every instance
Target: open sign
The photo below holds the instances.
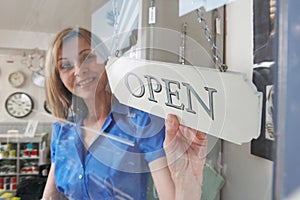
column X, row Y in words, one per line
column 225, row 105
column 170, row 94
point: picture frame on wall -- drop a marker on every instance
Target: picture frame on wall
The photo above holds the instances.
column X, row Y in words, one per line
column 264, row 145
column 263, row 55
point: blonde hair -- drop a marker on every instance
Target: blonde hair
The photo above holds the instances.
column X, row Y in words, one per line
column 58, row 97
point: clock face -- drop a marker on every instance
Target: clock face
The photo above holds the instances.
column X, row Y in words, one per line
column 16, row 79
column 19, row 104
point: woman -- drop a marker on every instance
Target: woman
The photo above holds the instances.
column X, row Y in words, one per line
column 101, row 149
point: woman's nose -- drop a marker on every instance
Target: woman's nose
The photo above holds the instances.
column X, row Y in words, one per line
column 79, row 69
column 76, row 69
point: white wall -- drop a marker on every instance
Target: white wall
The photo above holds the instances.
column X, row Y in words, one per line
column 248, row 177
column 14, row 49
column 24, row 39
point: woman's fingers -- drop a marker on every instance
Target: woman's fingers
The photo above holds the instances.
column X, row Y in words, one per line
column 172, row 126
column 193, row 135
column 196, row 141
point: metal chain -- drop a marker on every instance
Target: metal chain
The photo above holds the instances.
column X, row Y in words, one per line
column 182, row 45
column 215, row 53
column 116, row 14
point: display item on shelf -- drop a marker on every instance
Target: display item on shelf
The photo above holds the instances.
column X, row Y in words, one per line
column 20, row 158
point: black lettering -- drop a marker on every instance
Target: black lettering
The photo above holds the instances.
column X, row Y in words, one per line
column 150, row 86
column 209, row 110
column 142, row 87
column 170, row 94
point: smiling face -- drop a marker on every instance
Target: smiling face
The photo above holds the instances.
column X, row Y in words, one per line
column 81, row 69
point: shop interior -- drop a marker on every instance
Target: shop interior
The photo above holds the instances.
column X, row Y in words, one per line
column 245, row 44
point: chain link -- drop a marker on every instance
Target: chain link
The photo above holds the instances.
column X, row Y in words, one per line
column 116, row 14
column 215, row 53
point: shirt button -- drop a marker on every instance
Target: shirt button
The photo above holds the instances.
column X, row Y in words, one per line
column 80, row 176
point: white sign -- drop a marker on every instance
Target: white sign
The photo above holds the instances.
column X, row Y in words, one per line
column 223, row 104
column 186, row 6
column 31, row 128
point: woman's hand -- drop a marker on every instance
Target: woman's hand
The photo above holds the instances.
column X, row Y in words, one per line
column 186, row 154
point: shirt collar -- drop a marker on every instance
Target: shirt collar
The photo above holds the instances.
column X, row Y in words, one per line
column 119, row 108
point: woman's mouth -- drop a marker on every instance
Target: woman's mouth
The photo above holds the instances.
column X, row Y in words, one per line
column 85, row 82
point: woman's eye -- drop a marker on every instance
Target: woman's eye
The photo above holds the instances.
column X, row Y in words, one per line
column 87, row 58
column 90, row 56
column 66, row 65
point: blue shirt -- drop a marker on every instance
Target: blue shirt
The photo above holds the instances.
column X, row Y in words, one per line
column 109, row 169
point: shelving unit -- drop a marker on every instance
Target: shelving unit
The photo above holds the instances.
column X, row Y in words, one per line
column 20, row 157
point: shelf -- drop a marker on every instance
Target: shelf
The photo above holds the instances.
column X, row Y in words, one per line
column 28, row 174
column 8, row 158
column 23, row 166
column 28, row 158
column 9, row 174
column 20, row 138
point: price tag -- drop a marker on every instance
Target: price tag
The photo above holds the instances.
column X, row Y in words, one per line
column 152, row 15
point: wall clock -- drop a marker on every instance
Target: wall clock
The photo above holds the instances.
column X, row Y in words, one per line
column 16, row 78
column 46, row 107
column 19, row 104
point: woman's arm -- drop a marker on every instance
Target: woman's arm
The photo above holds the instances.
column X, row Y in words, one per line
column 162, row 179
column 50, row 192
column 186, row 154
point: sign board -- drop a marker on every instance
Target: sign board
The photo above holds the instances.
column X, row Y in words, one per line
column 223, row 104
column 186, row 6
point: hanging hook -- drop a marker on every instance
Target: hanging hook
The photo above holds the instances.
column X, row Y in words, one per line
column 117, row 53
